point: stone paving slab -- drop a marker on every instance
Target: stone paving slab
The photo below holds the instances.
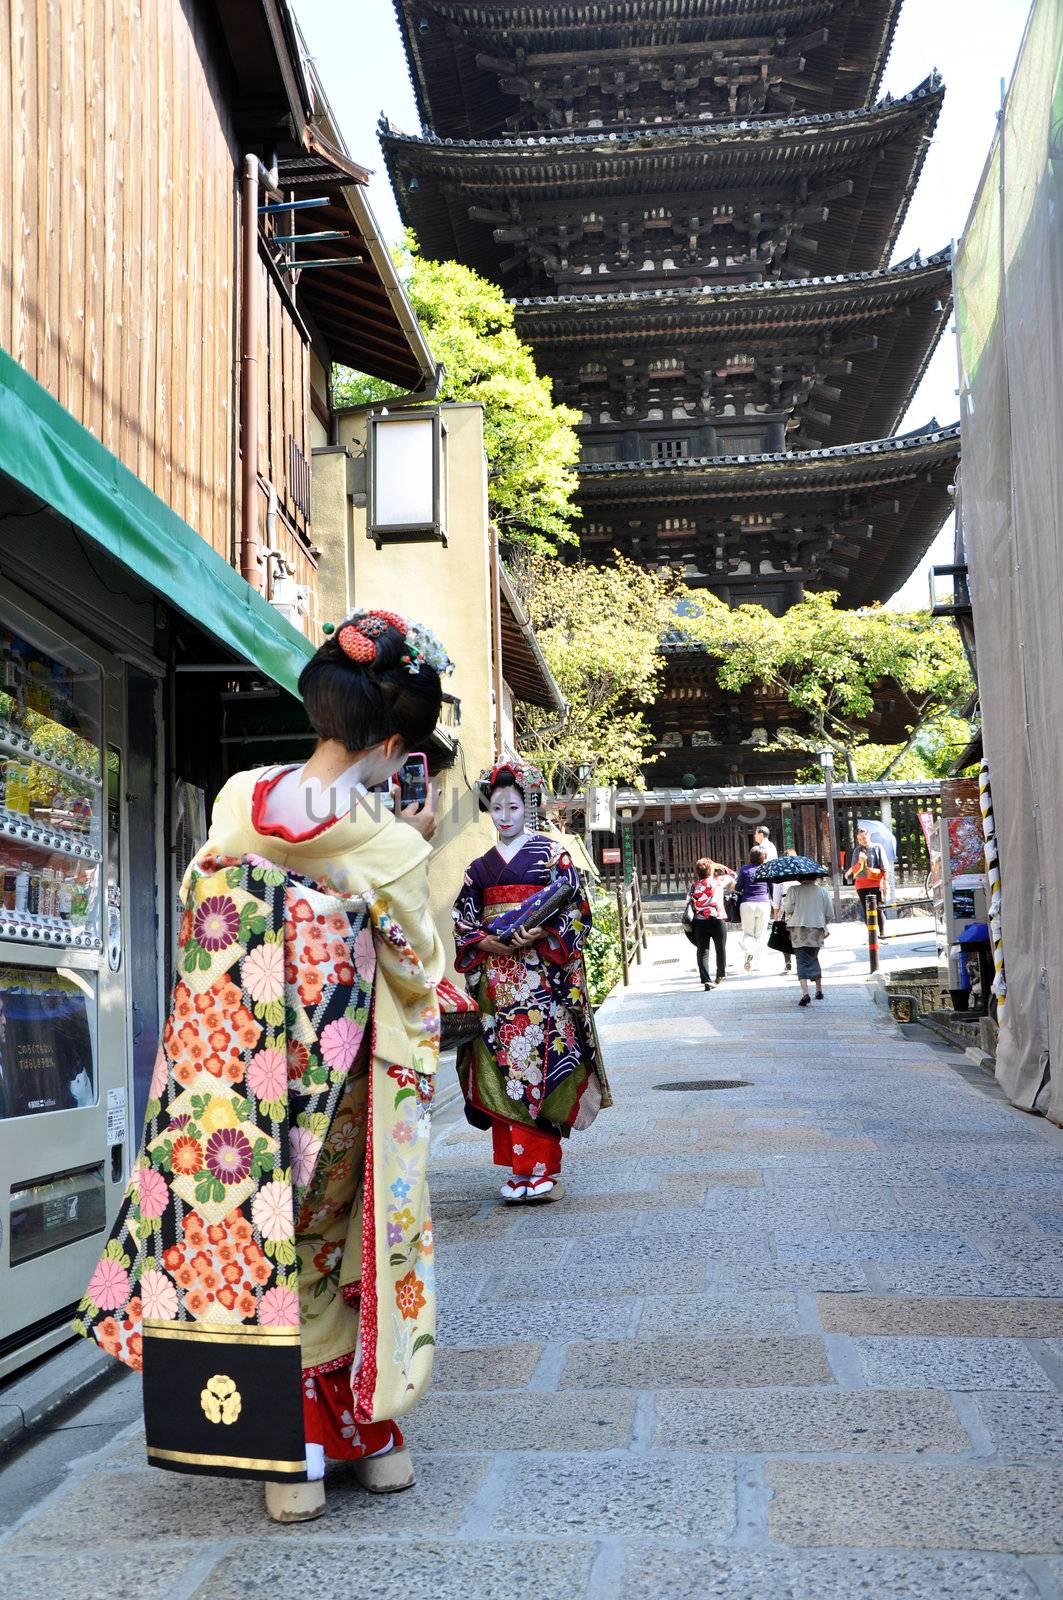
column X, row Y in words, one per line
column 677, row 1498
column 766, row 1421
column 732, row 1277
column 697, row 1363
column 940, row 1363
column 627, row 1278
column 703, row 1313
column 139, row 1573
column 957, row 1317
column 1003, row 1278
column 599, row 1420
column 870, row 1245
column 870, row 1504
column 721, row 1574
column 464, row 1327
column 430, row 1570
column 1026, row 1427
column 501, row 1366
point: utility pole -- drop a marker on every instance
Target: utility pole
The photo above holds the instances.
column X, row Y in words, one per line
column 826, row 761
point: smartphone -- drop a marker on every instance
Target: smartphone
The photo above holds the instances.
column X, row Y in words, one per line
column 413, row 780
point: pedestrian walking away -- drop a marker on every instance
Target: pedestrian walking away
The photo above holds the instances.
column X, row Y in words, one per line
column 706, row 900
column 868, row 871
column 271, row 1265
column 536, row 1071
column 808, row 907
column 754, row 908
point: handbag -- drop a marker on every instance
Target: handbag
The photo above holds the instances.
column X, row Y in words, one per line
column 535, row 912
column 688, row 922
column 779, row 938
column 731, row 904
column 459, row 1015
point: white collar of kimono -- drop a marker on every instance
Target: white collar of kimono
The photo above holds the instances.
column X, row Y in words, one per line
column 508, row 851
column 298, row 804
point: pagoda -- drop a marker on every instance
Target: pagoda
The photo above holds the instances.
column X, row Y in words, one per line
column 693, row 205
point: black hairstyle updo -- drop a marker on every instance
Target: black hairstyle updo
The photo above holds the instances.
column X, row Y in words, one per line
column 504, row 780
column 363, row 703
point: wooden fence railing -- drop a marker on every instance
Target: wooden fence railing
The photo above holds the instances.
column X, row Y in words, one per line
column 633, row 937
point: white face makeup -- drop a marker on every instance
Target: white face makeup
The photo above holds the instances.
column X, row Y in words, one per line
column 507, row 813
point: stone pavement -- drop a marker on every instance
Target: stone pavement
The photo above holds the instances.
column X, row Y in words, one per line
column 796, row 1340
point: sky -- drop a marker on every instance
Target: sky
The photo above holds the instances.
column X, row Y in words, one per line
column 358, row 53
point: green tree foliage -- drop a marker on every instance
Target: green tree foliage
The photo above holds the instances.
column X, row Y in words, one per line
column 531, row 443
column 829, row 663
column 600, row 630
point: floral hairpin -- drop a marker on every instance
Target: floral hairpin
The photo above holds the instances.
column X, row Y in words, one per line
column 358, row 639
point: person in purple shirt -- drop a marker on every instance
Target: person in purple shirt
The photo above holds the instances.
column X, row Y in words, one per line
column 754, row 909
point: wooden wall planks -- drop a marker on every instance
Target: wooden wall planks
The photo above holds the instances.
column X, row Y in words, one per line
column 119, row 211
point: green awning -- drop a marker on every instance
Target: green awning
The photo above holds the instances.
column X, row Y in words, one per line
column 48, row 452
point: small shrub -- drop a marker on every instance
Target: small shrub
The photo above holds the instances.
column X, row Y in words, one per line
column 601, row 953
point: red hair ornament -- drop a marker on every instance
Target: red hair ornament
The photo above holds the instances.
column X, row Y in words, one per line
column 354, row 644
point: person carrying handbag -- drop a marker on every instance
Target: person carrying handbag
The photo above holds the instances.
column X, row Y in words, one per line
column 706, row 904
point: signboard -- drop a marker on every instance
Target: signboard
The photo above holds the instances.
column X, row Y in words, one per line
column 601, row 810
column 611, row 857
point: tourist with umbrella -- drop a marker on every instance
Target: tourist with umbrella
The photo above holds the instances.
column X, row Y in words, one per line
column 807, row 910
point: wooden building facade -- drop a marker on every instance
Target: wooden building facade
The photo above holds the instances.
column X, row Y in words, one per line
column 124, row 135
column 694, row 204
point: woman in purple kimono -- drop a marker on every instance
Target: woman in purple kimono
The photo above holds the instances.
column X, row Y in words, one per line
column 536, row 1071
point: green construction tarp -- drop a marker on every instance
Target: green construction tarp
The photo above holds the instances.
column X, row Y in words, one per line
column 48, row 453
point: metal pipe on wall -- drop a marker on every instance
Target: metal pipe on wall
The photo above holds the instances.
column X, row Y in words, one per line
column 496, row 633
column 255, row 178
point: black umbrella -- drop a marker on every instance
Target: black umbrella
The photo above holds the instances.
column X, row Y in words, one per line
column 780, row 868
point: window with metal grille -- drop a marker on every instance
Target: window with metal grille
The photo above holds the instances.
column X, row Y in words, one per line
column 298, row 477
column 669, row 449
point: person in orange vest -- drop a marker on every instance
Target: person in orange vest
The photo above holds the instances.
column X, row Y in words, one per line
column 868, row 871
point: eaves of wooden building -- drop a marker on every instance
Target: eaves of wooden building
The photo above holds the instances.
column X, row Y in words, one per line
column 483, row 67
column 662, row 205
column 817, row 361
column 761, row 529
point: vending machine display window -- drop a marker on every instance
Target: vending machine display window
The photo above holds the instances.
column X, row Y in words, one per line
column 50, row 790
column 47, row 1055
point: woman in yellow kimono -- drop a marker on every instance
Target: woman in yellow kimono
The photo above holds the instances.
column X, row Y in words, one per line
column 372, row 693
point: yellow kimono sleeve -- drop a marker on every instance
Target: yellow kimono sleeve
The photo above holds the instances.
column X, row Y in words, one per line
column 407, row 1011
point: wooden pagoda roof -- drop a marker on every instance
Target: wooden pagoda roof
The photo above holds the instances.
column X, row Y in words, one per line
column 856, row 169
column 458, row 93
column 894, row 493
column 880, row 328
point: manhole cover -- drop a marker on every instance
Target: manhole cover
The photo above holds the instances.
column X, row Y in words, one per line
column 695, row 1084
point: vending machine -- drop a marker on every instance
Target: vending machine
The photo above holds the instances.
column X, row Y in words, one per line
column 959, row 888
column 64, row 1018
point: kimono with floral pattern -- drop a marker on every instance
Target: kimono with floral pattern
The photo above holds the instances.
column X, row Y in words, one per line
column 538, row 1062
column 276, row 1226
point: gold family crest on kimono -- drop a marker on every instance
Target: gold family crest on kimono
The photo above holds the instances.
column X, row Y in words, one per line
column 250, row 1246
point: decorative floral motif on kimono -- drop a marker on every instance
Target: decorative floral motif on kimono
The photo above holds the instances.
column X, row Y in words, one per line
column 264, row 1100
column 538, row 1051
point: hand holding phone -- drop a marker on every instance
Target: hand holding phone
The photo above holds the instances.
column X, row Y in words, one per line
column 412, row 779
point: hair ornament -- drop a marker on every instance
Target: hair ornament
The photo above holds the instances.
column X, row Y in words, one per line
column 358, row 638
column 328, row 629
column 357, row 644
